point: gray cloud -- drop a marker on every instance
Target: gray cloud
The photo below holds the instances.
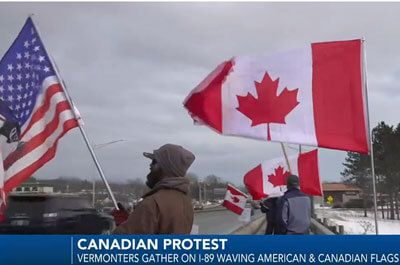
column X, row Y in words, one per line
column 129, row 66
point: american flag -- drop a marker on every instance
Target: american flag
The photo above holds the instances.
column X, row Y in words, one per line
column 31, row 90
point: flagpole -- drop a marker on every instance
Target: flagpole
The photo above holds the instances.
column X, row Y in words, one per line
column 369, row 134
column 92, row 153
column 323, row 206
column 286, row 158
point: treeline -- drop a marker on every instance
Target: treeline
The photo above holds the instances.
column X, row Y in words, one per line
column 134, row 188
column 211, row 187
column 386, row 148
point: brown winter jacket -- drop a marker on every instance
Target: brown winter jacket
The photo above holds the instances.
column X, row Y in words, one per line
column 166, row 209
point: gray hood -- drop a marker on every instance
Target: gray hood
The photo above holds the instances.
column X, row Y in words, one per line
column 174, row 160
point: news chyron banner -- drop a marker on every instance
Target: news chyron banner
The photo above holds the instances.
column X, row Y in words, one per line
column 244, row 249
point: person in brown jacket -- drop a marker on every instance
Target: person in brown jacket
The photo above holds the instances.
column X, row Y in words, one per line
column 166, row 208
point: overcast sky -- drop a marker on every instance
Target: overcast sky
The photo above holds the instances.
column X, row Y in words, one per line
column 129, row 66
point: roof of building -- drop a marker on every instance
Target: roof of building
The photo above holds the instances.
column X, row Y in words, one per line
column 338, row 187
column 52, row 195
column 34, row 184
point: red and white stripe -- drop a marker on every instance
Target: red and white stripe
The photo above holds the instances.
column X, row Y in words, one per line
column 329, row 77
column 235, row 200
column 51, row 118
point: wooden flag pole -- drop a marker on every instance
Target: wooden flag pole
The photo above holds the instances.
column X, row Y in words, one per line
column 286, row 158
column 78, row 121
column 364, row 65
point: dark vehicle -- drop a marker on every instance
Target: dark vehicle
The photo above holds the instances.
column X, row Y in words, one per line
column 53, row 214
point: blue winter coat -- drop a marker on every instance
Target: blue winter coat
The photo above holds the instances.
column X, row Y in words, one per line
column 293, row 213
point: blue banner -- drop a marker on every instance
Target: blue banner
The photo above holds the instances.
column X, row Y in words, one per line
column 62, row 249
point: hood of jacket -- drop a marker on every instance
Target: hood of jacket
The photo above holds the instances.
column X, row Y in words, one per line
column 173, row 159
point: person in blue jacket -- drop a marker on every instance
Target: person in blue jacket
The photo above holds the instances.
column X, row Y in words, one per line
column 293, row 210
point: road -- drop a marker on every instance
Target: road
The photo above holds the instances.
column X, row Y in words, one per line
column 220, row 222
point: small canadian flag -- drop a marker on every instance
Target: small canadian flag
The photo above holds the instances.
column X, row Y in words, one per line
column 235, row 200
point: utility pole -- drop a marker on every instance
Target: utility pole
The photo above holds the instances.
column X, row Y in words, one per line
column 205, row 192
column 199, row 183
column 98, row 146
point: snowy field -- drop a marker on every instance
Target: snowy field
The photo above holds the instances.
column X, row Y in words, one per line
column 355, row 223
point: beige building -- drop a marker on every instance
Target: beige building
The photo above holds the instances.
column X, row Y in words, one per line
column 33, row 187
column 340, row 193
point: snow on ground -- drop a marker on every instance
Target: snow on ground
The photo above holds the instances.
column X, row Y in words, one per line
column 355, row 223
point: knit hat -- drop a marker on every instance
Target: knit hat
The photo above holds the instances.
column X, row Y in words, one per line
column 292, row 182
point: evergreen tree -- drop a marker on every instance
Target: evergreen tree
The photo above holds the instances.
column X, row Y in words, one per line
column 386, row 146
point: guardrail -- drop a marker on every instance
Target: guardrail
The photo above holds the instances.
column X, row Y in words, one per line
column 251, row 228
column 319, row 229
column 211, row 209
column 259, row 223
column 255, row 227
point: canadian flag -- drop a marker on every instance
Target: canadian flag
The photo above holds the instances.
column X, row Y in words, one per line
column 269, row 178
column 312, row 96
column 235, row 200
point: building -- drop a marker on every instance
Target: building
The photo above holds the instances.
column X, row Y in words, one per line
column 339, row 193
column 33, row 187
column 219, row 193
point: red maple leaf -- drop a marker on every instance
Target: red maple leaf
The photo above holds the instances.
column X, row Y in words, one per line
column 279, row 179
column 268, row 107
column 235, row 199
